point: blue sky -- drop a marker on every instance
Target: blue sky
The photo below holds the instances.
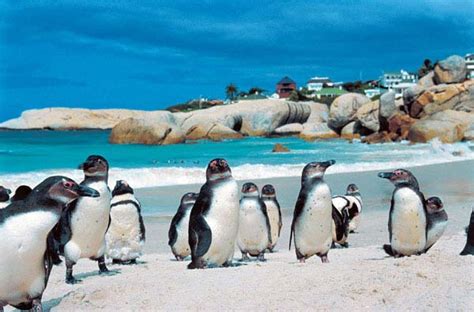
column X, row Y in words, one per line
column 151, row 54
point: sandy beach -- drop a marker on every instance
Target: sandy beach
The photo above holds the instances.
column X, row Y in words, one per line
column 361, row 277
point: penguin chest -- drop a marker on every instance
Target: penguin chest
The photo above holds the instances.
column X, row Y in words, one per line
column 253, row 232
column 274, row 218
column 123, row 235
column 223, row 220
column 313, row 229
column 23, row 244
column 181, row 246
column 89, row 222
column 408, row 221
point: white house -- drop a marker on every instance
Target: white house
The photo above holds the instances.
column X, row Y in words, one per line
column 470, row 65
column 398, row 82
column 317, row 83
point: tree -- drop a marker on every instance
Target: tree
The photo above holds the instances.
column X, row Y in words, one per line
column 256, row 90
column 231, row 91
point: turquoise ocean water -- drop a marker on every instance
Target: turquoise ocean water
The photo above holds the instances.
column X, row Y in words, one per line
column 30, row 156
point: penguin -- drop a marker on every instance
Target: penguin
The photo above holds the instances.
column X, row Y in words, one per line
column 25, row 257
column 408, row 221
column 179, row 227
column 469, row 248
column 4, row 197
column 21, row 193
column 353, row 201
column 254, row 235
column 312, row 219
column 81, row 232
column 125, row 237
column 437, row 221
column 274, row 213
column 214, row 219
column 340, row 229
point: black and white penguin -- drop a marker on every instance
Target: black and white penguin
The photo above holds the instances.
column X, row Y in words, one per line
column 312, row 219
column 254, row 226
column 274, row 213
column 214, row 219
column 437, row 221
column 408, row 221
column 469, row 248
column 82, row 229
column 179, row 227
column 353, row 201
column 21, row 193
column 25, row 257
column 4, row 197
column 125, row 237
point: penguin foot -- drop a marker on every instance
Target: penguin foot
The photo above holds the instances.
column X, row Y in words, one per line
column 178, row 258
column 388, row 250
column 324, row 259
column 117, row 261
column 261, row 257
column 345, row 245
column 133, row 262
column 302, row 260
column 71, row 280
column 245, row 257
column 227, row 264
column 102, row 267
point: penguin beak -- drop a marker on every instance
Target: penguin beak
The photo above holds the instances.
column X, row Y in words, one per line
column 385, row 175
column 87, row 191
column 328, row 163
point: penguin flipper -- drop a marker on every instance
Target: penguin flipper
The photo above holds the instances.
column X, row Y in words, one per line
column 280, row 223
column 62, row 232
column 299, row 206
column 142, row 228
column 200, row 237
column 172, row 233
column 388, row 249
column 340, row 223
column 267, row 221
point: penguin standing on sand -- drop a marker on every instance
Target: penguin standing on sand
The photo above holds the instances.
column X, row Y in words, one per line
column 214, row 219
column 469, row 248
column 353, row 202
column 82, row 229
column 26, row 257
column 4, row 197
column 254, row 226
column 312, row 219
column 179, row 227
column 125, row 237
column 408, row 221
column 274, row 213
column 437, row 221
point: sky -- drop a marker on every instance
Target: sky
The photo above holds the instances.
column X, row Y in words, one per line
column 153, row 54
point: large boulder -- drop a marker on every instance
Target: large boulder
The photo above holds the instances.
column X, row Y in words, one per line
column 368, row 115
column 427, row 81
column 400, row 125
column 450, row 70
column 313, row 131
column 387, row 104
column 289, row 129
column 438, row 98
column 350, row 131
column 343, row 110
column 156, row 131
column 212, row 131
column 319, row 112
column 410, row 95
column 59, row 118
column 449, row 126
column 252, row 118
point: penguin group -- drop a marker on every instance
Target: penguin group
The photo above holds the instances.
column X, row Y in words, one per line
column 62, row 218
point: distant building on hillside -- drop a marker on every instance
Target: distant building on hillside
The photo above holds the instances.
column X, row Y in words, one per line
column 370, row 93
column 329, row 92
column 398, row 82
column 284, row 87
column 317, row 83
column 470, row 65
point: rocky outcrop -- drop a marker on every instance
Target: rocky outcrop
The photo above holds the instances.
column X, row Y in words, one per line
column 313, row 131
column 280, row 148
column 459, row 97
column 450, row 70
column 387, row 104
column 72, row 118
column 156, row 130
column 214, row 132
column 449, row 126
column 350, row 131
column 343, row 110
column 427, row 81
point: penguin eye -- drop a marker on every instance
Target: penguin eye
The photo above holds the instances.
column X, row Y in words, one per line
column 68, row 184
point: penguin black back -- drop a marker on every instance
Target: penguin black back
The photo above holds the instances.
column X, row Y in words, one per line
column 469, row 248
